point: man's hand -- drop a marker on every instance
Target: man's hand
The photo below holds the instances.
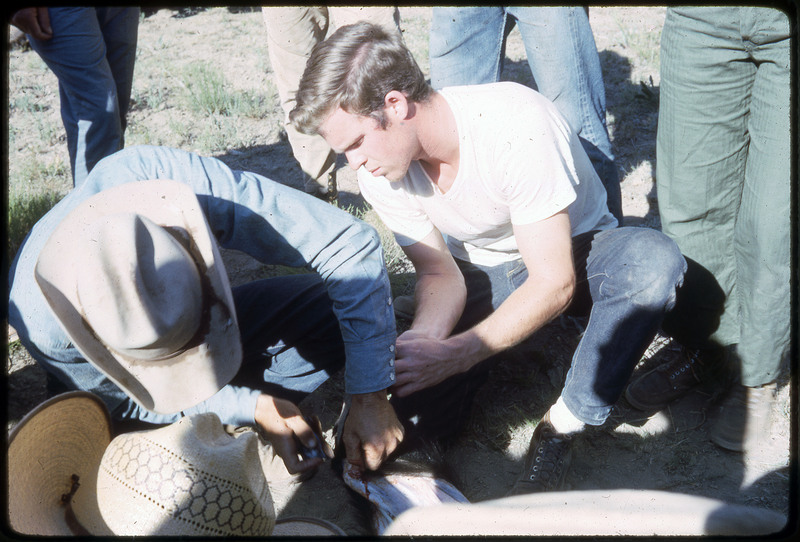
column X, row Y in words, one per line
column 371, row 431
column 33, row 21
column 282, row 422
column 422, row 362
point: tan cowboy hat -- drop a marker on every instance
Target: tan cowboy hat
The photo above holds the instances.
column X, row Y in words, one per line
column 191, row 478
column 135, row 277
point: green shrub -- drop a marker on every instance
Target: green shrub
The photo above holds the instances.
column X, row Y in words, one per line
column 23, row 213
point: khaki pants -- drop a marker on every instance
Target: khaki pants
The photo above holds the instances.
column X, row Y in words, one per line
column 292, row 33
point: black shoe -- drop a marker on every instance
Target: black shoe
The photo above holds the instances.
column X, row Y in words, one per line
column 547, row 461
column 674, row 378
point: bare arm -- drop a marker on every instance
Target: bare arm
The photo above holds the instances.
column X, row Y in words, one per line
column 546, row 249
column 440, row 293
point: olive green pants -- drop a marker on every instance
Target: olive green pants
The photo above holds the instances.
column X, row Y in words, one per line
column 723, row 171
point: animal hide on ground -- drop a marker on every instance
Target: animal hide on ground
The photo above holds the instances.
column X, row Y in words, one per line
column 415, row 478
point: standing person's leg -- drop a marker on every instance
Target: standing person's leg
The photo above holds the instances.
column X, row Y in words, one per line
column 120, row 27
column 291, row 34
column 701, row 146
column 77, row 56
column 762, row 238
column 387, row 17
column 702, row 154
column 566, row 68
column 465, row 45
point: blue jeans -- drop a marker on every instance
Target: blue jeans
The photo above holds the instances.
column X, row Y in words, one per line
column 467, row 47
column 626, row 281
column 291, row 342
column 92, row 53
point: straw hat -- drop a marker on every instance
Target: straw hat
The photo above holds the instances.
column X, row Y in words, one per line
column 189, row 478
column 55, row 447
column 135, row 278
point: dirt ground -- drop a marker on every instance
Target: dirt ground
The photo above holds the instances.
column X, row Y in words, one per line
column 669, row 451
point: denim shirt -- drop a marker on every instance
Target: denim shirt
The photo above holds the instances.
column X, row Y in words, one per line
column 274, row 224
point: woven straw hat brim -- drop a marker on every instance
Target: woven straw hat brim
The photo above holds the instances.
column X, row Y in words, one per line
column 62, row 437
column 188, row 378
column 56, row 451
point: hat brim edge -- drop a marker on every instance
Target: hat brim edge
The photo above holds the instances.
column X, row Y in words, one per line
column 153, row 386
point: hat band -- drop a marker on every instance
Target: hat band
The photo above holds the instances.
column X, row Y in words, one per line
column 72, row 522
column 69, row 515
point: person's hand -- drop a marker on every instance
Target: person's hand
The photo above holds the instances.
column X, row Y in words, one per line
column 283, row 423
column 422, row 361
column 33, row 21
column 371, row 430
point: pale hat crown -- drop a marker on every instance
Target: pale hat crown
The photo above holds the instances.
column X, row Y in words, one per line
column 135, row 278
column 140, row 291
column 188, row 478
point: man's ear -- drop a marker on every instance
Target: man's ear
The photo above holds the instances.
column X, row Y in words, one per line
column 396, row 105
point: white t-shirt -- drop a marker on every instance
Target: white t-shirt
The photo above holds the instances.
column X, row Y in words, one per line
column 519, row 163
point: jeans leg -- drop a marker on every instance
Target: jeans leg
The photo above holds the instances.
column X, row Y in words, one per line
column 120, row 27
column 290, row 335
column 89, row 104
column 565, row 65
column 487, row 288
column 465, row 45
column 631, row 276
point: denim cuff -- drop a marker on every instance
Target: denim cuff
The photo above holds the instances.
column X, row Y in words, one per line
column 370, row 365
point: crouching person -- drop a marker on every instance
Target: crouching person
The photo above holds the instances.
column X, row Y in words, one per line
column 120, row 290
column 493, row 199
